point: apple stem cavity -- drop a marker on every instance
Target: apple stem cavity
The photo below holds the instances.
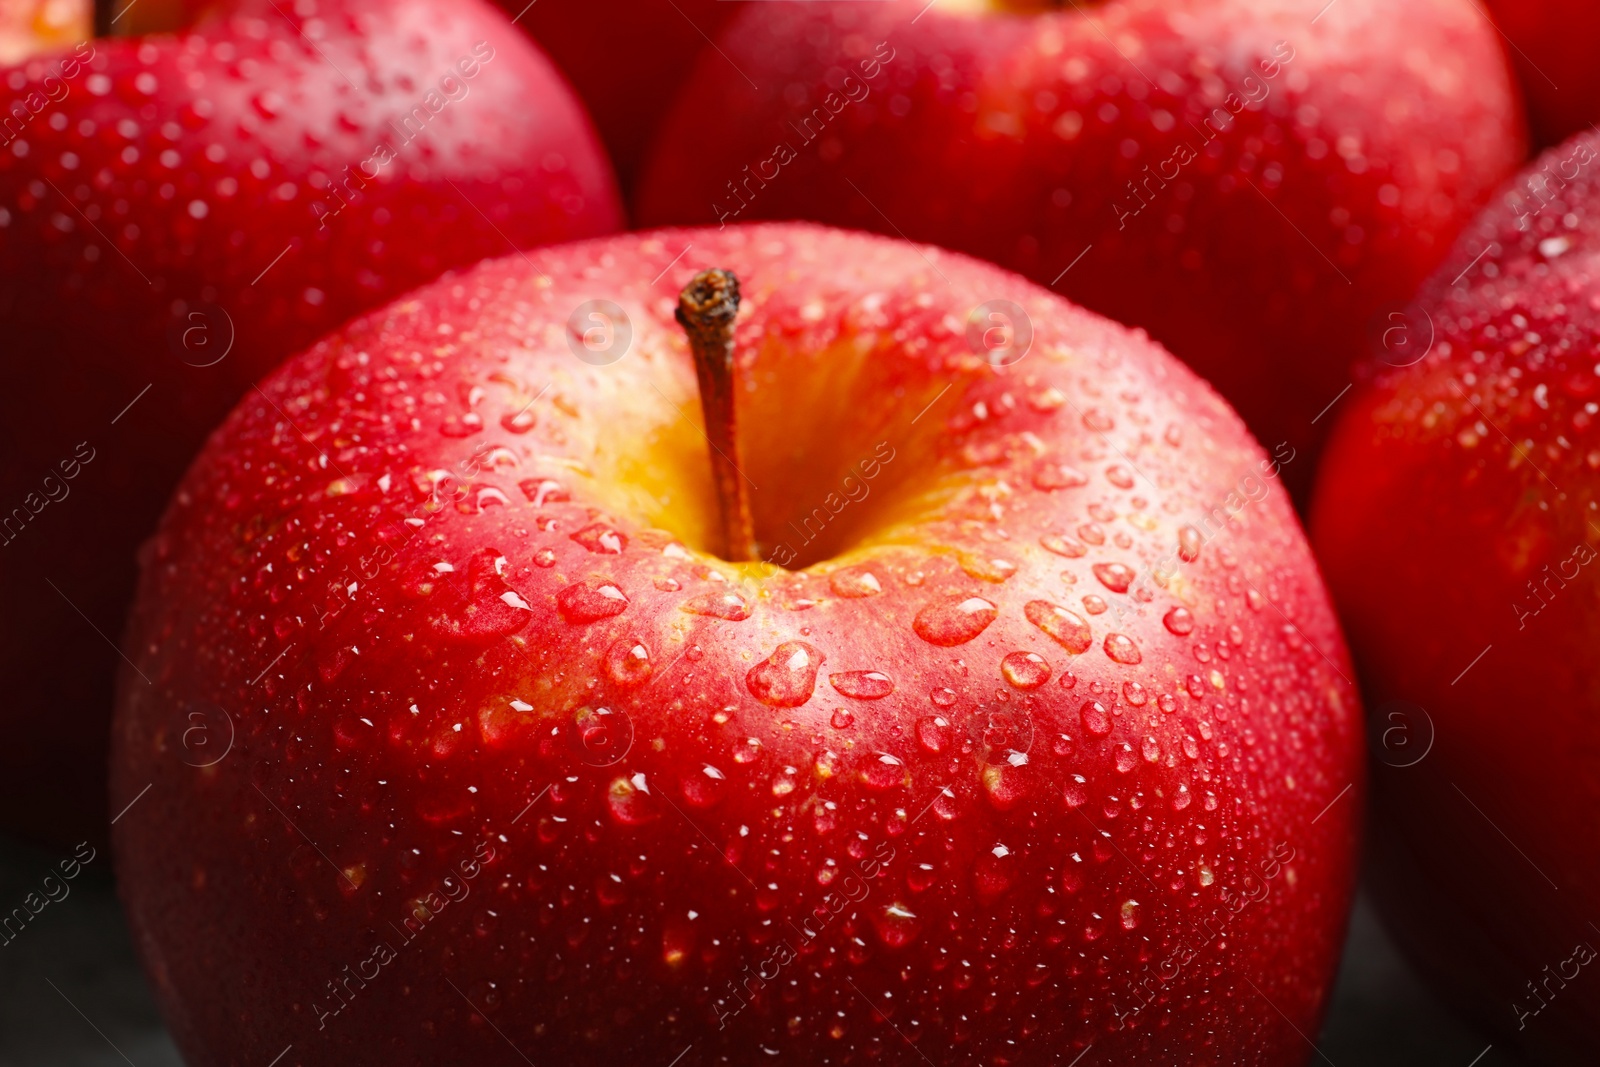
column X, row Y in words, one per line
column 706, row 310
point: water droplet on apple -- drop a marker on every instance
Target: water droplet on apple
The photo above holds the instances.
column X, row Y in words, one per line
column 1130, row 914
column 628, row 663
column 842, row 719
column 1121, row 648
column 600, row 538
column 943, row 697
column 1096, row 719
column 542, row 491
column 882, row 771
column 933, row 733
column 519, row 421
column 787, row 677
column 1050, row 476
column 544, row 558
column 1114, row 576
column 862, row 685
column 1179, row 621
column 854, row 583
column 1189, row 543
column 703, row 788
column 629, row 800
column 1061, row 545
column 591, row 600
column 1076, row 791
column 1025, row 670
column 1066, row 628
column 729, row 606
column 897, row 925
column 954, row 621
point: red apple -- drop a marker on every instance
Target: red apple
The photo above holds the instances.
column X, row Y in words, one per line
column 626, row 58
column 1040, row 746
column 1456, row 521
column 177, row 213
column 1552, row 44
column 1249, row 183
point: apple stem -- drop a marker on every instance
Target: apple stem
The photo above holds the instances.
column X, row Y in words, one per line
column 706, row 310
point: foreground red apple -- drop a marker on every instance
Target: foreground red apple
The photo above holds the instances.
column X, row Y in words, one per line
column 1552, row 44
column 1456, row 520
column 626, row 58
column 1249, row 183
column 177, row 213
column 458, row 730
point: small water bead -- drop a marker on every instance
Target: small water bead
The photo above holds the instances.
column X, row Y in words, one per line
column 1050, row 476
column 1119, row 476
column 600, row 538
column 1130, row 914
column 1183, row 798
column 1179, row 621
column 1066, row 628
column 668, row 585
column 841, row 719
column 1097, row 420
column 1114, row 576
column 729, row 606
column 1095, row 605
column 787, row 678
column 1025, row 670
column 1135, row 694
column 862, row 685
column 1092, row 533
column 542, row 491
column 590, row 601
column 854, row 583
column 628, row 663
column 943, row 697
column 933, row 733
column 897, row 925
column 1062, row 545
column 883, row 771
column 1196, row 685
column 954, row 621
column 987, row 569
column 1076, row 791
column 1121, row 648
column 1096, row 719
column 1124, row 758
column 1167, row 703
column 1150, row 749
column 703, row 789
column 519, row 421
column 629, row 800
column 1189, row 542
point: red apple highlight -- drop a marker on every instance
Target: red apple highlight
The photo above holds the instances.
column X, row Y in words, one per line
column 178, row 213
column 1456, row 521
column 1027, row 734
column 1249, row 180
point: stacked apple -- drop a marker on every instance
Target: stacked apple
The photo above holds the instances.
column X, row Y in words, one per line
column 1255, row 183
column 177, row 214
column 762, row 640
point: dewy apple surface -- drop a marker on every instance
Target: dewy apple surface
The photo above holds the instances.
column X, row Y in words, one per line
column 726, row 744
column 179, row 212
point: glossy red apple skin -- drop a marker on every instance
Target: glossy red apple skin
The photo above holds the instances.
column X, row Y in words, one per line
column 626, row 58
column 1021, row 138
column 1001, row 846
column 1446, row 490
column 1551, row 43
column 177, row 194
